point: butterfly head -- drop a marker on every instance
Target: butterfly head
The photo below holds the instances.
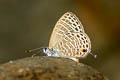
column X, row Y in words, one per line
column 50, row 52
column 45, row 50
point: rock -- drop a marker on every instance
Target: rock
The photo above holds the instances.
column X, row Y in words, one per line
column 48, row 68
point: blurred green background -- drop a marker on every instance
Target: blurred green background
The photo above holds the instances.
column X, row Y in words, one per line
column 27, row 24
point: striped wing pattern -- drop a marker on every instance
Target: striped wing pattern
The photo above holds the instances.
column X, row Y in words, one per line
column 69, row 38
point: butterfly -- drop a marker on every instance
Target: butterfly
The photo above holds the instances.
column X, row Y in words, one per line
column 69, row 39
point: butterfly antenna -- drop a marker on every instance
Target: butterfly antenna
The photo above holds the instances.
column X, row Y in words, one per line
column 33, row 50
column 95, row 56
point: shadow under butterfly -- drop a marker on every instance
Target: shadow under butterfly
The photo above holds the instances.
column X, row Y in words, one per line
column 68, row 39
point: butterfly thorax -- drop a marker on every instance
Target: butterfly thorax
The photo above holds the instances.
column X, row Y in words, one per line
column 51, row 52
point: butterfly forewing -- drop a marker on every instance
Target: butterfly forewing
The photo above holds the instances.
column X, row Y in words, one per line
column 66, row 24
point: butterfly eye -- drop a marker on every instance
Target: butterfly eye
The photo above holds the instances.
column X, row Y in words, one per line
column 84, row 50
column 45, row 49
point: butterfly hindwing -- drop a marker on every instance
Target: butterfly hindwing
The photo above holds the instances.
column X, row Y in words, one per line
column 72, row 45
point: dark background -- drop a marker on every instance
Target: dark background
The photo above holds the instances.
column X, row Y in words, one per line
column 27, row 24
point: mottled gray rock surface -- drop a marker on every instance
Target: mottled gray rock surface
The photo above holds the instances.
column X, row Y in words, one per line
column 48, row 68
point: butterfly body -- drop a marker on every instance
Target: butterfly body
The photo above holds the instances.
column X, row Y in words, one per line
column 69, row 39
column 50, row 52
